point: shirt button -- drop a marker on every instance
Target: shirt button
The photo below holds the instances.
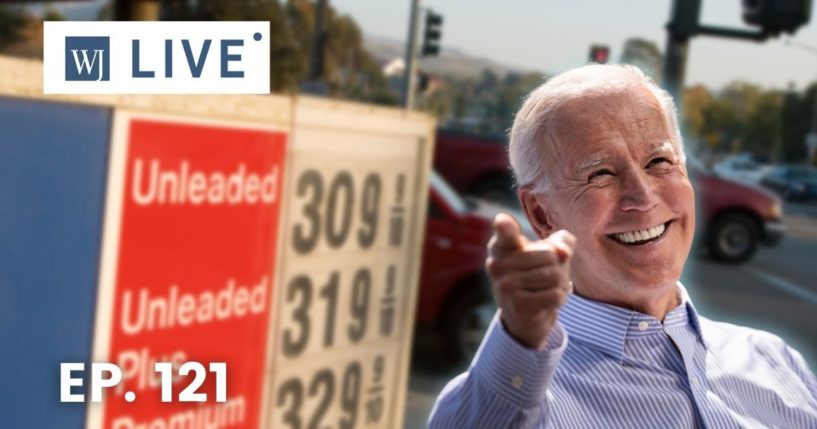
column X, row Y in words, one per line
column 693, row 381
column 517, row 381
column 643, row 326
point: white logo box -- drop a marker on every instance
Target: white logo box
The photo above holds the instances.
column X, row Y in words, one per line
column 244, row 45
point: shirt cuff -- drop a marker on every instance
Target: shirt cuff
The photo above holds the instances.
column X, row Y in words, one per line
column 515, row 372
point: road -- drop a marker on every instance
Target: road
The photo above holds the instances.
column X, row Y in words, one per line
column 776, row 291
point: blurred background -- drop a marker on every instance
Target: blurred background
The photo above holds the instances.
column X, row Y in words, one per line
column 745, row 73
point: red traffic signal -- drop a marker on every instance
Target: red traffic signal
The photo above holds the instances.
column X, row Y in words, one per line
column 599, row 54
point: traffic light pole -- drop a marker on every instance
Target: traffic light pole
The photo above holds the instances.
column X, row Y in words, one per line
column 682, row 27
column 675, row 66
column 407, row 95
column 318, row 42
column 811, row 137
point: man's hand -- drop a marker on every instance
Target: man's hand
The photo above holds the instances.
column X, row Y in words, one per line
column 530, row 279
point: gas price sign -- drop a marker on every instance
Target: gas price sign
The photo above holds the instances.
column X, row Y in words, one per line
column 187, row 272
column 259, row 261
column 351, row 233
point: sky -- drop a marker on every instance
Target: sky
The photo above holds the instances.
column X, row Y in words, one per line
column 555, row 35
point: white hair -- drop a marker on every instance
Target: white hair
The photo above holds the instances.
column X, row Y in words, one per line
column 528, row 139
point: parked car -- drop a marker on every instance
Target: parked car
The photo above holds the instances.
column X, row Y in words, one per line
column 736, row 217
column 742, row 168
column 792, row 182
column 455, row 294
column 476, row 164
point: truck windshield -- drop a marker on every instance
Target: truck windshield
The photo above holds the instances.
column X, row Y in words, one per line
column 448, row 193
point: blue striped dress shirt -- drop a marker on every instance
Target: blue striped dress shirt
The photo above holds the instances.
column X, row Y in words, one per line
column 609, row 367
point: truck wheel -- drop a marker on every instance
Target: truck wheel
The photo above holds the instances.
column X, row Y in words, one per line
column 733, row 238
column 466, row 321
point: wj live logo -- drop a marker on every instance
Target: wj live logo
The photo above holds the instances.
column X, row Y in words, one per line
column 160, row 57
column 87, row 59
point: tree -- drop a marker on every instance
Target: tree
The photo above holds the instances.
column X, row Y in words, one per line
column 349, row 71
column 105, row 13
column 798, row 111
column 740, row 118
column 485, row 104
column 761, row 131
column 51, row 14
column 643, row 54
column 284, row 52
column 743, row 97
column 12, row 21
column 696, row 99
column 720, row 125
column 740, row 98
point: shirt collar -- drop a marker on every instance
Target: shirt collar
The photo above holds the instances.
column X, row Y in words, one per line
column 607, row 327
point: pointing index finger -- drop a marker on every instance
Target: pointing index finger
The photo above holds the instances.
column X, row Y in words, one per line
column 507, row 233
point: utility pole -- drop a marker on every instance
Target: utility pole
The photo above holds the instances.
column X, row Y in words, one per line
column 313, row 83
column 682, row 26
column 136, row 10
column 772, row 16
column 407, row 96
column 318, row 42
column 811, row 137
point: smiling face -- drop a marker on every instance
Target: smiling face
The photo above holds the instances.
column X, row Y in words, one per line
column 618, row 183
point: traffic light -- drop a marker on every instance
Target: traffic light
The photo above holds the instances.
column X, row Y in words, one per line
column 599, row 54
column 776, row 16
column 433, row 32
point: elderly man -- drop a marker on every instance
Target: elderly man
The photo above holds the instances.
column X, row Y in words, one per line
column 600, row 164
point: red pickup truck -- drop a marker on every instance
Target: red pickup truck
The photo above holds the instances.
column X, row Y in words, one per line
column 475, row 165
column 455, row 294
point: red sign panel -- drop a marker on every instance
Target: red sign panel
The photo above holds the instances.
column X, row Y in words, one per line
column 194, row 270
